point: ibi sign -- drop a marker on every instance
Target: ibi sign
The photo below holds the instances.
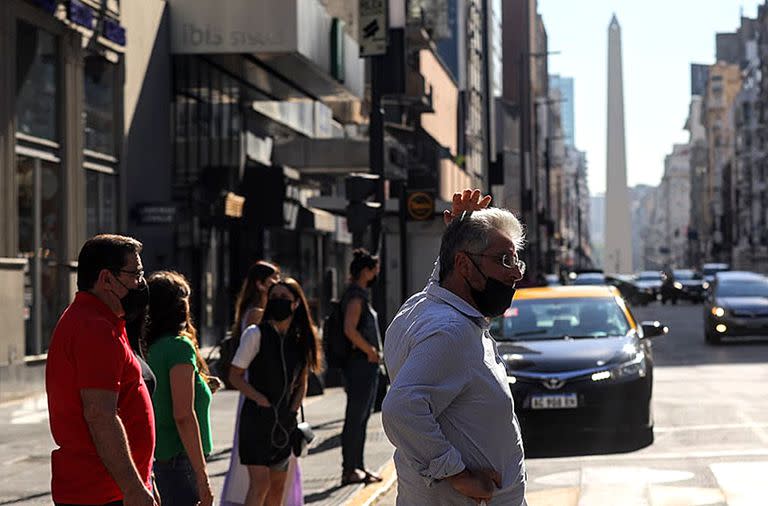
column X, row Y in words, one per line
column 235, row 26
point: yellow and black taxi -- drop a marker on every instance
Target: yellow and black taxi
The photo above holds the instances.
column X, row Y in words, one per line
column 578, row 362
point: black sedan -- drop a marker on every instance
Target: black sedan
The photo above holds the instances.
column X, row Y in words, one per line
column 635, row 295
column 578, row 363
column 737, row 307
column 651, row 280
column 691, row 285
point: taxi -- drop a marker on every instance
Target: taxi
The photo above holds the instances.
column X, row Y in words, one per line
column 578, row 362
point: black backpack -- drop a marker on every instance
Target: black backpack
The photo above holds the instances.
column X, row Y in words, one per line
column 336, row 345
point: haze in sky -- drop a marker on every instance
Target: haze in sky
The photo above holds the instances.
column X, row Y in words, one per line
column 660, row 39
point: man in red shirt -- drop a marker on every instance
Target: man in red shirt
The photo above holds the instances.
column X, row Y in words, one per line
column 100, row 410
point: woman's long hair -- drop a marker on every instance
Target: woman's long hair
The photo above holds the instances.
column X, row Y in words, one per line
column 303, row 325
column 249, row 292
column 169, row 313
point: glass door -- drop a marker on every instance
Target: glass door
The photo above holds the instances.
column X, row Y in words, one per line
column 40, row 195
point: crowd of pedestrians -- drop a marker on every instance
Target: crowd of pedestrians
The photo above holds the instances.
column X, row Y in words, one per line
column 129, row 393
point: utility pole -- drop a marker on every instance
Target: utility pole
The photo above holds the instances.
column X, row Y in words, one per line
column 376, row 160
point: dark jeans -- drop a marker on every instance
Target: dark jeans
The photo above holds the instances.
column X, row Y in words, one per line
column 361, row 379
column 175, row 480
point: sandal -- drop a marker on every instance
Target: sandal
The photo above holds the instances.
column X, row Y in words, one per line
column 371, row 477
column 354, row 476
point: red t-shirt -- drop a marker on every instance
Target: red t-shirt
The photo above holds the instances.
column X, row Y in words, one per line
column 89, row 349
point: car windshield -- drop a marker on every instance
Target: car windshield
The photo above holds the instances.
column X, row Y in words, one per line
column 742, row 289
column 708, row 270
column 530, row 320
column 649, row 276
column 685, row 274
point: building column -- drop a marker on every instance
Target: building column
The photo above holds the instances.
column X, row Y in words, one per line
column 72, row 108
column 8, row 221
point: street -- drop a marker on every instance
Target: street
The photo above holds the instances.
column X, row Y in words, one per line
column 711, row 436
column 711, row 445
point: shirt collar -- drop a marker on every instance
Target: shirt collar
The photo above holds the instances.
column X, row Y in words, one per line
column 90, row 301
column 436, row 291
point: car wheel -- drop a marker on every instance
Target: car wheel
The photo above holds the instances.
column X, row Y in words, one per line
column 711, row 338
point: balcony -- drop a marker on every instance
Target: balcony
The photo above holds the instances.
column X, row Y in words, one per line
column 291, row 37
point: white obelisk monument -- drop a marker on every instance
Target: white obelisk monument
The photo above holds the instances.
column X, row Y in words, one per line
column 618, row 226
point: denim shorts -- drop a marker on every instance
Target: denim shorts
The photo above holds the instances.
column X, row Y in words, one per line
column 176, row 483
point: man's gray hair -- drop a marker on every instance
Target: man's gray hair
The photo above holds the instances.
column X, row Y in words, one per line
column 471, row 231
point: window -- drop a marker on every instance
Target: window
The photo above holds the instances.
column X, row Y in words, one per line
column 39, row 184
column 100, row 205
column 36, row 82
column 100, row 80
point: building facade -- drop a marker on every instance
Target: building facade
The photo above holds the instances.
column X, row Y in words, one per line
column 61, row 162
column 723, row 84
column 674, row 190
column 750, row 239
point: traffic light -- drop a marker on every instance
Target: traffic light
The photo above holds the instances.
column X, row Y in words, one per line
column 360, row 211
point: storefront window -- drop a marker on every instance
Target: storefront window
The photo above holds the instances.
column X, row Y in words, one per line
column 101, row 202
column 36, row 82
column 100, row 79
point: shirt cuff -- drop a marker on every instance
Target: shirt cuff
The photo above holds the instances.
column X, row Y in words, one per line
column 442, row 467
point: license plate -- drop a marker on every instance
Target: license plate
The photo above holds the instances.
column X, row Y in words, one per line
column 563, row 401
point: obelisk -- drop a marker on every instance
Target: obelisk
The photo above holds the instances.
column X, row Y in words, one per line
column 618, row 227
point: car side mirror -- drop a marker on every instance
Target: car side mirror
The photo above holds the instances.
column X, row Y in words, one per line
column 653, row 329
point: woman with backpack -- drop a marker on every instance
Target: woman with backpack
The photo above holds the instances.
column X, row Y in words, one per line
column 271, row 368
column 361, row 370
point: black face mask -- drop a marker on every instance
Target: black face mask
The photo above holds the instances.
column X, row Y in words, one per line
column 373, row 280
column 278, row 309
column 135, row 301
column 495, row 298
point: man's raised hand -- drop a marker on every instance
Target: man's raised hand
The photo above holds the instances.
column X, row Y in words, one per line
column 468, row 200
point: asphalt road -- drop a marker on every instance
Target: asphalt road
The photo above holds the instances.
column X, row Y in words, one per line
column 711, row 434
column 710, row 449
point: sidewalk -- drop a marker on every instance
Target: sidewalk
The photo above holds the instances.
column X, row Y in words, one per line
column 321, row 469
column 25, row 446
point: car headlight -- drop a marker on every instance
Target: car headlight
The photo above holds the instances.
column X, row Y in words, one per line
column 635, row 368
column 718, row 311
column 705, row 285
column 678, row 285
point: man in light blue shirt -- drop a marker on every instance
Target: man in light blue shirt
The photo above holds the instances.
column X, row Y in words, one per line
column 449, row 411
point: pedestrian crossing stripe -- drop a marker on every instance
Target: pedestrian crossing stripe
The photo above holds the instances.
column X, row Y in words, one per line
column 738, row 484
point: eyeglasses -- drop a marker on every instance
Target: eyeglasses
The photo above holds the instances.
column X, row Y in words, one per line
column 137, row 274
column 505, row 259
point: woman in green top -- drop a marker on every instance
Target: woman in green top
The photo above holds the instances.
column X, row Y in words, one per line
column 182, row 397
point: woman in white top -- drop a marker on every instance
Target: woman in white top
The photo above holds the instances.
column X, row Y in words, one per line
column 249, row 310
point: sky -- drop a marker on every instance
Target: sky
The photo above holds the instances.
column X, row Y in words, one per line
column 660, row 39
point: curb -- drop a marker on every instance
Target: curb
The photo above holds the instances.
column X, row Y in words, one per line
column 367, row 496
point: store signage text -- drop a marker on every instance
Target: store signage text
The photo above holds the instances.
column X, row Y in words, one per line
column 204, row 36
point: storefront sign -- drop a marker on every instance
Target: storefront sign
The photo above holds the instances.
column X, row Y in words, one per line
column 372, row 23
column 112, row 31
column 420, row 206
column 238, row 26
column 155, row 214
column 79, row 13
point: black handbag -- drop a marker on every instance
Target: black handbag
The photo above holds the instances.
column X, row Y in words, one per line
column 302, row 436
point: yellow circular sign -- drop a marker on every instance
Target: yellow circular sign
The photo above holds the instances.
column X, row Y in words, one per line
column 421, row 206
